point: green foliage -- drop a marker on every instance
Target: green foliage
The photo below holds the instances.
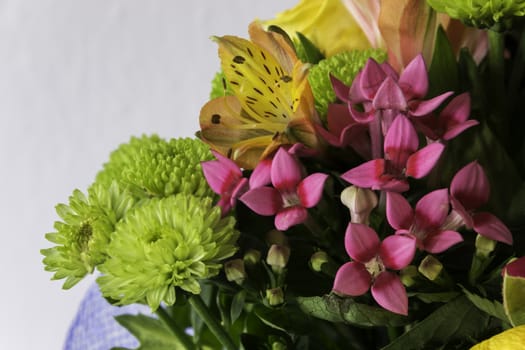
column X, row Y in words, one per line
column 163, row 244
column 307, row 51
column 344, row 66
column 82, row 236
column 150, row 166
column 219, row 86
column 443, row 71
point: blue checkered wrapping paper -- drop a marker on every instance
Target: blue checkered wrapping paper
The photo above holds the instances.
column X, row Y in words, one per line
column 94, row 326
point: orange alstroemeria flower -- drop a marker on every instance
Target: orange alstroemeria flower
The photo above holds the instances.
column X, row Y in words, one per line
column 272, row 103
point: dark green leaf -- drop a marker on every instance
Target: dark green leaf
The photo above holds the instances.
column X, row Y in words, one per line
column 310, row 52
column 435, row 297
column 336, row 309
column 457, row 319
column 443, row 72
column 493, row 308
column 152, row 333
column 286, row 319
column 237, row 305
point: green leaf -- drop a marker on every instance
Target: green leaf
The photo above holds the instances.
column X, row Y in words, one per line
column 513, row 299
column 457, row 319
column 443, row 72
column 429, row 298
column 336, row 309
column 288, row 319
column 152, row 333
column 310, row 52
column 237, row 305
column 493, row 308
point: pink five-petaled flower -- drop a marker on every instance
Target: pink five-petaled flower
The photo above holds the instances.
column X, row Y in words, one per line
column 371, row 258
column 451, row 122
column 225, row 178
column 402, row 159
column 469, row 190
column 290, row 195
column 424, row 223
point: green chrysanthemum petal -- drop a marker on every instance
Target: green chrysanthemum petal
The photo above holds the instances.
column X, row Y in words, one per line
column 153, row 167
column 219, row 86
column 343, row 66
column 496, row 14
column 83, row 235
column 164, row 244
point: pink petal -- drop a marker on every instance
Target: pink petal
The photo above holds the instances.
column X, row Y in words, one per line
column 397, row 251
column 470, row 186
column 285, row 172
column 366, row 14
column 289, row 217
column 457, row 111
column 361, row 117
column 366, row 175
column 221, row 175
column 261, row 174
column 421, row 163
column 428, row 106
column 372, row 76
column 310, row 189
column 226, row 205
column 399, row 213
column 458, row 129
column 341, row 90
column 389, row 96
column 458, row 208
column 491, row 227
column 441, row 241
column 352, row 279
column 263, row 200
column 389, row 292
column 516, row 268
column 391, row 184
column 361, row 242
column 400, row 141
column 414, row 79
column 432, row 209
column 241, row 187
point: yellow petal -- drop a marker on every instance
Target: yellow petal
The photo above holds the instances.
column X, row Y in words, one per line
column 512, row 339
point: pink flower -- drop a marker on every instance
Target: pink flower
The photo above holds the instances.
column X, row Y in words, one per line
column 451, row 122
column 424, row 224
column 290, row 195
column 225, row 178
column 402, row 158
column 371, row 259
column 469, row 190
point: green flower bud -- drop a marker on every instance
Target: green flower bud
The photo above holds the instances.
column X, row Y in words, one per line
column 234, row 270
column 317, row 260
column 513, row 287
column 153, row 167
column 166, row 243
column 275, row 296
column 84, row 233
column 252, row 257
column 344, row 66
column 361, row 202
column 278, row 256
column 276, row 237
column 484, row 246
column 408, row 275
column 430, row 267
column 495, row 14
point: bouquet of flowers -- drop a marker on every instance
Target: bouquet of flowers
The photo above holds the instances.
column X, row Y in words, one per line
column 357, row 183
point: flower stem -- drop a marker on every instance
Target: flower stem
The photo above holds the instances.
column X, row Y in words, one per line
column 200, row 307
column 497, row 83
column 178, row 332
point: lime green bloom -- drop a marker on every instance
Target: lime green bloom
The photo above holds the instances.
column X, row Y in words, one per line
column 344, row 66
column 219, row 86
column 163, row 244
column 82, row 237
column 482, row 13
column 326, row 23
column 150, row 166
column 511, row 339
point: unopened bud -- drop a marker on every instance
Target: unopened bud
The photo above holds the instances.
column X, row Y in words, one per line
column 408, row 275
column 235, row 271
column 278, row 256
column 276, row 237
column 275, row 296
column 317, row 260
column 484, row 246
column 360, row 201
column 430, row 267
column 252, row 257
column 279, row 345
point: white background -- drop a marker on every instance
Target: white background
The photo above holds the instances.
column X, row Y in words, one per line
column 77, row 78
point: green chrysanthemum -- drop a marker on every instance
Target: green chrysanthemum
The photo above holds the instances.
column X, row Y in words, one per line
column 153, row 167
column 498, row 14
column 163, row 244
column 83, row 235
column 219, row 86
column 343, row 66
